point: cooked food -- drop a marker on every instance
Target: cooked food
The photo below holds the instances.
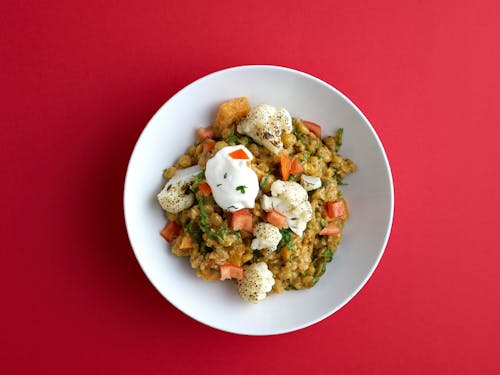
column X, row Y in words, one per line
column 255, row 199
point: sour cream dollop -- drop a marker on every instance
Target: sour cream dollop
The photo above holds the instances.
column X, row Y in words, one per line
column 234, row 184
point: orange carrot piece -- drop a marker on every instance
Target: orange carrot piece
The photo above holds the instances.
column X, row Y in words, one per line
column 285, row 166
column 238, row 154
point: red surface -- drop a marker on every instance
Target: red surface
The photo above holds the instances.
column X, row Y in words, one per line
column 79, row 81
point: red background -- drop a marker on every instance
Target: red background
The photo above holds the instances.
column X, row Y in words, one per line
column 80, row 80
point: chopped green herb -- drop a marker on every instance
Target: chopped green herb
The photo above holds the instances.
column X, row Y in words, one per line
column 225, row 175
column 298, row 134
column 221, row 234
column 219, row 185
column 340, row 181
column 205, row 228
column 323, row 223
column 233, row 138
column 232, row 207
column 241, row 189
column 257, row 254
column 263, row 182
column 199, row 177
column 338, row 139
column 203, row 215
column 292, row 178
column 286, row 238
column 328, row 255
column 205, row 249
column 195, row 232
column 320, row 264
column 305, row 156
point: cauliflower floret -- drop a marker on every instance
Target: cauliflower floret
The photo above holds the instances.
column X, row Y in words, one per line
column 299, row 217
column 310, row 182
column 267, row 236
column 256, row 283
column 264, row 124
column 266, row 203
column 176, row 196
column 290, row 199
column 290, row 192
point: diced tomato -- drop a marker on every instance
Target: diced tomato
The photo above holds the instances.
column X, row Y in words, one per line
column 285, row 166
column 330, row 230
column 336, row 209
column 314, row 128
column 238, row 154
column 205, row 133
column 296, row 166
column 242, row 220
column 230, row 271
column 277, row 219
column 208, row 146
column 205, row 189
column 170, row 231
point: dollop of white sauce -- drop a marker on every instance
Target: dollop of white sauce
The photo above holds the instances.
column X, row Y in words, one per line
column 234, row 184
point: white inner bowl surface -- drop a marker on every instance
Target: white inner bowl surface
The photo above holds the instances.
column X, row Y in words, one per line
column 369, row 195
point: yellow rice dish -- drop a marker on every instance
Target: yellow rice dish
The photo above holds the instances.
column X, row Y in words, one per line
column 256, row 199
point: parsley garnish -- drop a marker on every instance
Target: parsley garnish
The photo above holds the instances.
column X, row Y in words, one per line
column 225, row 175
column 340, row 182
column 263, row 182
column 306, row 156
column 286, row 239
column 241, row 189
column 298, row 135
column 203, row 215
column 205, row 249
column 338, row 139
column 257, row 254
column 199, row 177
column 232, row 207
column 194, row 231
column 320, row 264
column 219, row 185
column 233, row 138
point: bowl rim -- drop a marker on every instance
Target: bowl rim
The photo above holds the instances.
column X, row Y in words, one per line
column 386, row 164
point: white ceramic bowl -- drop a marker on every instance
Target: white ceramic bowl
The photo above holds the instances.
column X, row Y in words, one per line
column 369, row 194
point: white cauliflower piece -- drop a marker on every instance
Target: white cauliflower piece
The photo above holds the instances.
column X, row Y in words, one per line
column 267, row 236
column 290, row 192
column 264, row 124
column 290, row 199
column 266, row 203
column 256, row 283
column 176, row 196
column 299, row 217
column 310, row 183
